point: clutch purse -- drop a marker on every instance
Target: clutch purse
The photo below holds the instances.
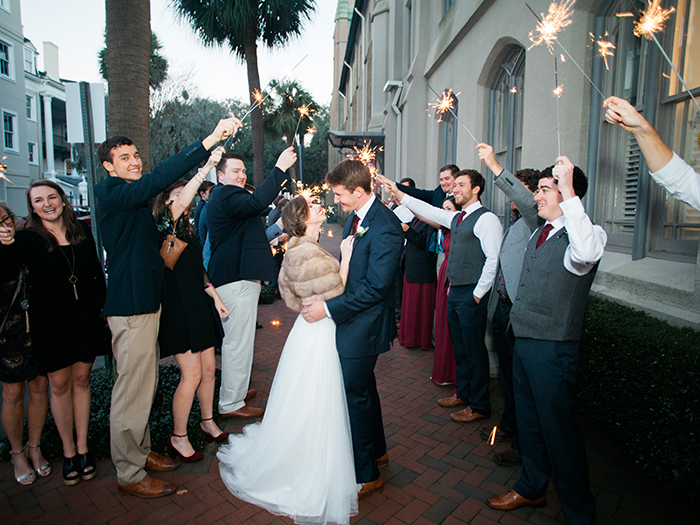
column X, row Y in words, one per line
column 172, row 248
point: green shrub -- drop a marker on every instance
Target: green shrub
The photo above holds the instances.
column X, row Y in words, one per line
column 160, row 422
column 268, row 294
column 639, row 381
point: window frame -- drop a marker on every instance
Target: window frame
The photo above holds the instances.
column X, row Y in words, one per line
column 14, row 131
column 33, row 148
column 5, row 5
column 31, row 108
column 10, row 61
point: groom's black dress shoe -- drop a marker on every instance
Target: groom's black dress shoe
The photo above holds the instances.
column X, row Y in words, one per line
column 373, row 487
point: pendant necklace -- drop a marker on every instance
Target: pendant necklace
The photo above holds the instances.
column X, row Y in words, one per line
column 72, row 279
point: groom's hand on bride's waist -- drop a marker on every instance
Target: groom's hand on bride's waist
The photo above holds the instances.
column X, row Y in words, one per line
column 314, row 311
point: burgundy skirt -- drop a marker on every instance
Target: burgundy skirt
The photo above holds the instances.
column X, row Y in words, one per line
column 444, row 364
column 417, row 311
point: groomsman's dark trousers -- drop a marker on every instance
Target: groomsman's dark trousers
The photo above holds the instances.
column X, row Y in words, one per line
column 365, row 409
column 503, row 343
column 467, row 322
column 544, row 374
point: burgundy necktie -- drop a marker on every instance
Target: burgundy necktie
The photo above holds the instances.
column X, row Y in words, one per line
column 544, row 234
column 461, row 217
column 355, row 222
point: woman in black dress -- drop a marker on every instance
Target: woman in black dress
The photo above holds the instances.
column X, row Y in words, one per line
column 17, row 366
column 187, row 329
column 68, row 291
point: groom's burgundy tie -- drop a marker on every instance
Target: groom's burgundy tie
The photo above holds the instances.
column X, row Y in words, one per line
column 355, row 222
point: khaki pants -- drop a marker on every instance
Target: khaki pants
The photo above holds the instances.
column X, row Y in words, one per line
column 241, row 299
column 134, row 346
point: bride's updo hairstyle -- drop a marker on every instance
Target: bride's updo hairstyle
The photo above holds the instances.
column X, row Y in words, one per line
column 294, row 217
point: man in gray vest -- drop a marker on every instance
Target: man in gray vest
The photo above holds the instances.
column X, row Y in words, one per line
column 560, row 264
column 524, row 220
column 471, row 269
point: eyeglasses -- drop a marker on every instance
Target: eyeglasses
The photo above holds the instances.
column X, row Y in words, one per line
column 9, row 220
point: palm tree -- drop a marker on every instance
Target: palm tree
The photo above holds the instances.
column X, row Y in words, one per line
column 240, row 24
column 158, row 70
column 128, row 39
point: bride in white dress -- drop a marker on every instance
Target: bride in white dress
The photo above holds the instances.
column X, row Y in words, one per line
column 298, row 461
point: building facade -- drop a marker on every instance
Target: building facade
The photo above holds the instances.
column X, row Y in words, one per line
column 32, row 102
column 394, row 57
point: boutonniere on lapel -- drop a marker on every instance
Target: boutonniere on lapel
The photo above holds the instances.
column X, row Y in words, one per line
column 360, row 232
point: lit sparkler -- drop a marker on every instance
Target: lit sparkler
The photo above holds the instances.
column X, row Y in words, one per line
column 275, row 322
column 558, row 90
column 624, row 15
column 3, row 169
column 304, row 112
column 444, row 103
column 652, row 20
column 551, row 24
column 449, row 107
column 557, row 19
column 330, row 233
column 514, row 89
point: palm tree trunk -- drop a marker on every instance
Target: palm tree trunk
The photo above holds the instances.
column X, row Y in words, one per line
column 256, row 118
column 128, row 38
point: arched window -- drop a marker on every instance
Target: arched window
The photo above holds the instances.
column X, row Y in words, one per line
column 506, row 120
column 447, row 140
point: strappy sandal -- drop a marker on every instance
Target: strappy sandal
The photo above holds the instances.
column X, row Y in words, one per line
column 87, row 466
column 29, row 477
column 71, row 470
column 45, row 469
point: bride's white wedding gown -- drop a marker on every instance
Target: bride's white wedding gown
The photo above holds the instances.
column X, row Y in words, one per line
column 298, row 461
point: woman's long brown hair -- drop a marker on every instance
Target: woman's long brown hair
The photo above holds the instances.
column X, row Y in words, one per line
column 74, row 233
column 160, row 201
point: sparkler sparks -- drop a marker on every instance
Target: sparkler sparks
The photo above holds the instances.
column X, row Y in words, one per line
column 558, row 91
column 444, row 103
column 652, row 20
column 330, row 233
column 275, row 322
column 259, row 97
column 448, row 107
column 3, row 168
column 604, row 48
column 551, row 24
column 514, row 89
column 492, row 436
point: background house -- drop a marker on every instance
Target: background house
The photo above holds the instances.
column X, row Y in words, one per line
column 389, row 53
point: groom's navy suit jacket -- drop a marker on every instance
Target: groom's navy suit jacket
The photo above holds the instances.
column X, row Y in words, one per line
column 364, row 314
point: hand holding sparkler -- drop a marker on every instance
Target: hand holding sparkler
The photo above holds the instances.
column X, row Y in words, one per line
column 563, row 173
column 487, row 157
column 225, row 128
column 655, row 152
column 7, row 235
column 390, row 187
column 214, row 159
column 286, row 159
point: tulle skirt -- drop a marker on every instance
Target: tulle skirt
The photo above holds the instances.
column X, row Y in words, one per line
column 298, row 461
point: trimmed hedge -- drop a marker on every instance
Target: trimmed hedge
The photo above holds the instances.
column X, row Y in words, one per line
column 160, row 422
column 639, row 381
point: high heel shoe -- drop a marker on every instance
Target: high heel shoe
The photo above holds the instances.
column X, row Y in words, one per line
column 87, row 465
column 71, row 470
column 45, row 469
column 175, row 453
column 24, row 479
column 209, row 438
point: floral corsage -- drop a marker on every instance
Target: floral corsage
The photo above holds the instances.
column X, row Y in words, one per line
column 359, row 233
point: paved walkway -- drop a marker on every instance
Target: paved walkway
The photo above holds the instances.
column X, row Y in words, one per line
column 439, row 471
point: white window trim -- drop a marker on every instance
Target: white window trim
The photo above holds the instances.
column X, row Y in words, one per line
column 15, row 131
column 5, row 4
column 34, row 162
column 32, row 118
column 11, row 60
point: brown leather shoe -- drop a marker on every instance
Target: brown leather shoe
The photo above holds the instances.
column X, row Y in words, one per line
column 251, row 394
column 373, row 487
column 158, row 463
column 244, row 412
column 513, row 500
column 451, row 402
column 383, row 461
column 508, row 457
column 466, row 416
column 148, row 487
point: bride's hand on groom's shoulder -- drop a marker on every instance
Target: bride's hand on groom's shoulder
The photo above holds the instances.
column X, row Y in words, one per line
column 346, row 247
column 313, row 311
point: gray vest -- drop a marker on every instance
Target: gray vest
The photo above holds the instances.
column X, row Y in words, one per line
column 551, row 300
column 466, row 256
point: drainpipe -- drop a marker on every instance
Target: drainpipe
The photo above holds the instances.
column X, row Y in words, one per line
column 364, row 69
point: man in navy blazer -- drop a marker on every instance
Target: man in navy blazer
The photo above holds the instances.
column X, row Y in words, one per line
column 436, row 196
column 132, row 307
column 240, row 259
column 364, row 314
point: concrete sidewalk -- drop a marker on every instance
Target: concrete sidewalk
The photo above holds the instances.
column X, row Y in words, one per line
column 439, row 471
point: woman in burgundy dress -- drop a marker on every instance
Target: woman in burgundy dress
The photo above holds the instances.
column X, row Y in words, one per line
column 444, row 365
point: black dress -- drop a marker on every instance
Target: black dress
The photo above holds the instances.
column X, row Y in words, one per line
column 17, row 362
column 64, row 330
column 186, row 321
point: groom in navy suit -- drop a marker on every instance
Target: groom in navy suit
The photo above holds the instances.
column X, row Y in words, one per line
column 364, row 314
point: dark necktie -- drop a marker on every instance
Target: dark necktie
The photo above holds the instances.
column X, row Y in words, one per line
column 461, row 217
column 544, row 234
column 355, row 222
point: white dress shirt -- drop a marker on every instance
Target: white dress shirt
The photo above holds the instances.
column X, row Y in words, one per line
column 680, row 180
column 488, row 230
column 586, row 240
